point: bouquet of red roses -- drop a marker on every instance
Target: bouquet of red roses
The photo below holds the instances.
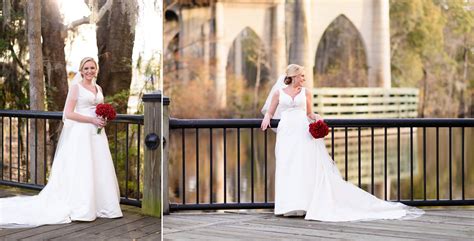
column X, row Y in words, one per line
column 105, row 111
column 318, row 129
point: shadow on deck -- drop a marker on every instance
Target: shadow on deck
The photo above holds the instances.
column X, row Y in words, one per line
column 132, row 226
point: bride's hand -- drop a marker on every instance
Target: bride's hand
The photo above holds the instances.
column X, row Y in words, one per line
column 315, row 117
column 265, row 123
column 98, row 121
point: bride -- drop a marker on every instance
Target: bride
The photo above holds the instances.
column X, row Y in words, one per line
column 82, row 184
column 306, row 180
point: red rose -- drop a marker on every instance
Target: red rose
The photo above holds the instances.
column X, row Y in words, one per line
column 105, row 111
column 318, row 129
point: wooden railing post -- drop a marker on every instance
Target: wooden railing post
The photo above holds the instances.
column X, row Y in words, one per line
column 151, row 202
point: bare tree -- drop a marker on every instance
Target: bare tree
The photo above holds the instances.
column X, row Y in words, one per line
column 37, row 98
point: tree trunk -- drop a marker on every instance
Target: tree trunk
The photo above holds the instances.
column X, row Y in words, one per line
column 37, row 162
column 54, row 64
column 115, row 37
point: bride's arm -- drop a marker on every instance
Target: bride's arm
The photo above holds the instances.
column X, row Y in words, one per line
column 309, row 106
column 69, row 113
column 271, row 111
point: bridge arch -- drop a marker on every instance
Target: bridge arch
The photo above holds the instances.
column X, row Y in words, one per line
column 341, row 59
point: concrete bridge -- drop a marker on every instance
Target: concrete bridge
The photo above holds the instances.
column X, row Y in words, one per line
column 289, row 32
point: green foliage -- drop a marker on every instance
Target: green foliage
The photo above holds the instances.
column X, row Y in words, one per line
column 119, row 100
column 431, row 45
column 13, row 58
column 120, row 155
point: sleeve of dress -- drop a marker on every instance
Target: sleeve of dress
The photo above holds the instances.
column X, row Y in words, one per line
column 71, row 101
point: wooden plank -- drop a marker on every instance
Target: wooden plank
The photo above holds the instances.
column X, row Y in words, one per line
column 91, row 232
column 266, row 225
column 73, row 227
column 377, row 228
column 125, row 230
column 142, row 232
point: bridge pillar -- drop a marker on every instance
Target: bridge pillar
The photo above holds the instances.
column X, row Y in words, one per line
column 278, row 58
column 221, row 56
column 300, row 50
column 379, row 62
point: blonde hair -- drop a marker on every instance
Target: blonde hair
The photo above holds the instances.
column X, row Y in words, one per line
column 85, row 60
column 293, row 70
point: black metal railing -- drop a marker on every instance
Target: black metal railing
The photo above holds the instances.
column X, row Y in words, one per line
column 390, row 140
column 124, row 134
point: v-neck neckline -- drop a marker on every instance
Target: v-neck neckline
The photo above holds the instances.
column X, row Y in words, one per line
column 96, row 89
column 292, row 98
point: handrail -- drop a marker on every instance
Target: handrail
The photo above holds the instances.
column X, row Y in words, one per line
column 176, row 123
column 57, row 115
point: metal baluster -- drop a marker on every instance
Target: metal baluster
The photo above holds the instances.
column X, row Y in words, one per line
column 359, row 158
column 27, row 149
column 126, row 161
column 19, row 147
column 3, row 158
column 197, row 166
column 450, row 165
column 437, row 163
column 138, row 161
column 183, row 148
column 225, row 165
column 10, row 148
column 266, row 166
column 45, row 152
column 424, row 163
column 372, row 161
column 385, row 163
column 238, row 165
column 210, row 168
column 116, row 144
column 411, row 163
column 36, row 150
column 398, row 163
column 462, row 163
column 347, row 167
column 252, row 163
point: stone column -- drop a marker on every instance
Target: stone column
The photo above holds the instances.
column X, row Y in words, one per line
column 278, row 51
column 379, row 71
column 300, row 51
column 220, row 54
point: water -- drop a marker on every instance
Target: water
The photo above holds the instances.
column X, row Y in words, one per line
column 264, row 190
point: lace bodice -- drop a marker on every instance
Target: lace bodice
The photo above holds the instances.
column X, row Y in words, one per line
column 286, row 103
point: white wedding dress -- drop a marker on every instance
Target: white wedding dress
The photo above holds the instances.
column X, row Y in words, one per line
column 307, row 182
column 82, row 184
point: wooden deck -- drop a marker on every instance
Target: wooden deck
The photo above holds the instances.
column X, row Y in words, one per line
column 447, row 223
column 133, row 226
column 450, row 223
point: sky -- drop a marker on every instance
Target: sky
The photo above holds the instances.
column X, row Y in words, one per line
column 148, row 32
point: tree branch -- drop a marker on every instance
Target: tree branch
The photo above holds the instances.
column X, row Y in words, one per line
column 17, row 60
column 91, row 19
